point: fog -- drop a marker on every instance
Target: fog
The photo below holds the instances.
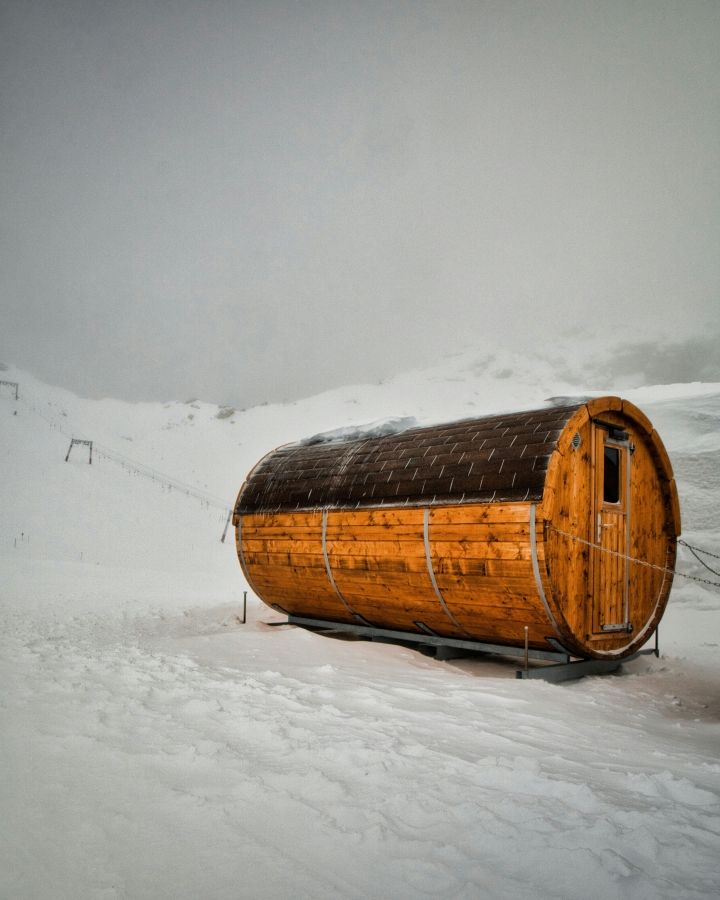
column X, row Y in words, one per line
column 250, row 202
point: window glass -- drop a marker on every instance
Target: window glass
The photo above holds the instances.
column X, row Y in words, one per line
column 611, row 475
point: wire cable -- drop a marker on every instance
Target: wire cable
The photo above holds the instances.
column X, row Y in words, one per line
column 35, row 406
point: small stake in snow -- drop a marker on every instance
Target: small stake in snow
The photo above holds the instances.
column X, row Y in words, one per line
column 526, row 649
column 79, row 441
column 244, row 607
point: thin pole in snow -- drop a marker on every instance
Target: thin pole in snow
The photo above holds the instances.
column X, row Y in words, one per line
column 74, row 441
column 244, row 607
column 526, row 648
column 222, row 539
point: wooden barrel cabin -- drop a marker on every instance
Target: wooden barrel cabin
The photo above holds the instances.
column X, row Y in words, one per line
column 563, row 519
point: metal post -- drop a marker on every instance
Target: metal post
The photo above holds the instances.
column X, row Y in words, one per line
column 657, row 642
column 244, row 607
column 526, row 649
column 222, row 539
column 80, row 441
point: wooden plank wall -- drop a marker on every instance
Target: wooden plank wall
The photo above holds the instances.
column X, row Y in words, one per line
column 379, row 564
column 480, row 556
column 482, row 560
column 284, row 558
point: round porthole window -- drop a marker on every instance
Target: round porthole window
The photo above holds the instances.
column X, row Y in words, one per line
column 576, row 440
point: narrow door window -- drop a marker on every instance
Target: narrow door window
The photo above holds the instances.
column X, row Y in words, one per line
column 611, row 475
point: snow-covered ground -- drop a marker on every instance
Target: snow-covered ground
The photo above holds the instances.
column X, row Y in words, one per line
column 151, row 746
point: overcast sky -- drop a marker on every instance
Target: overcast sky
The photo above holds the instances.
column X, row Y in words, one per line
column 249, row 201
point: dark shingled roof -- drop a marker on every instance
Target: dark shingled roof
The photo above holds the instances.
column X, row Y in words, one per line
column 493, row 459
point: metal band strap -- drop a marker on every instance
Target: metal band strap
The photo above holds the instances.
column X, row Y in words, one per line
column 536, row 571
column 647, row 629
column 243, row 564
column 330, row 574
column 428, row 557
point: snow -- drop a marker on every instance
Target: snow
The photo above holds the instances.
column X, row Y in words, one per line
column 152, row 746
column 380, row 428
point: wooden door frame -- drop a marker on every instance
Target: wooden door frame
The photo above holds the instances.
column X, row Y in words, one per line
column 600, row 437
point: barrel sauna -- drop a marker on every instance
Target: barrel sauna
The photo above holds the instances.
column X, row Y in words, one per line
column 563, row 519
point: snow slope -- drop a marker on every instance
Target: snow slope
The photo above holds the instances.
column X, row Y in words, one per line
column 151, row 746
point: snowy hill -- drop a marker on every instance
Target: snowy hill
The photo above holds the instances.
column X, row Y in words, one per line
column 151, row 746
column 114, row 516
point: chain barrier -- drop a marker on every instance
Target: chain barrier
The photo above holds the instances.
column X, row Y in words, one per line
column 704, row 552
column 696, row 550
column 640, row 562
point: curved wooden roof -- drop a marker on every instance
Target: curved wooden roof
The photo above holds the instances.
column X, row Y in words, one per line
column 494, row 459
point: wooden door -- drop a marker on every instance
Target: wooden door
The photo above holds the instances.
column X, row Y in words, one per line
column 612, row 529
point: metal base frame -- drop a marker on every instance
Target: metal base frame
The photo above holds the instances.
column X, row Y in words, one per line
column 450, row 648
column 577, row 669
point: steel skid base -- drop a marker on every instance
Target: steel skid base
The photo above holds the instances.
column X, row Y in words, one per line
column 576, row 669
column 563, row 668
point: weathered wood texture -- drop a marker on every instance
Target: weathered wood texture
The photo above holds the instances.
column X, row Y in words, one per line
column 465, row 569
column 292, row 574
column 582, row 575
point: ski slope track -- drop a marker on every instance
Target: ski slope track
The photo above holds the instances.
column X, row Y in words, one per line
column 152, row 747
